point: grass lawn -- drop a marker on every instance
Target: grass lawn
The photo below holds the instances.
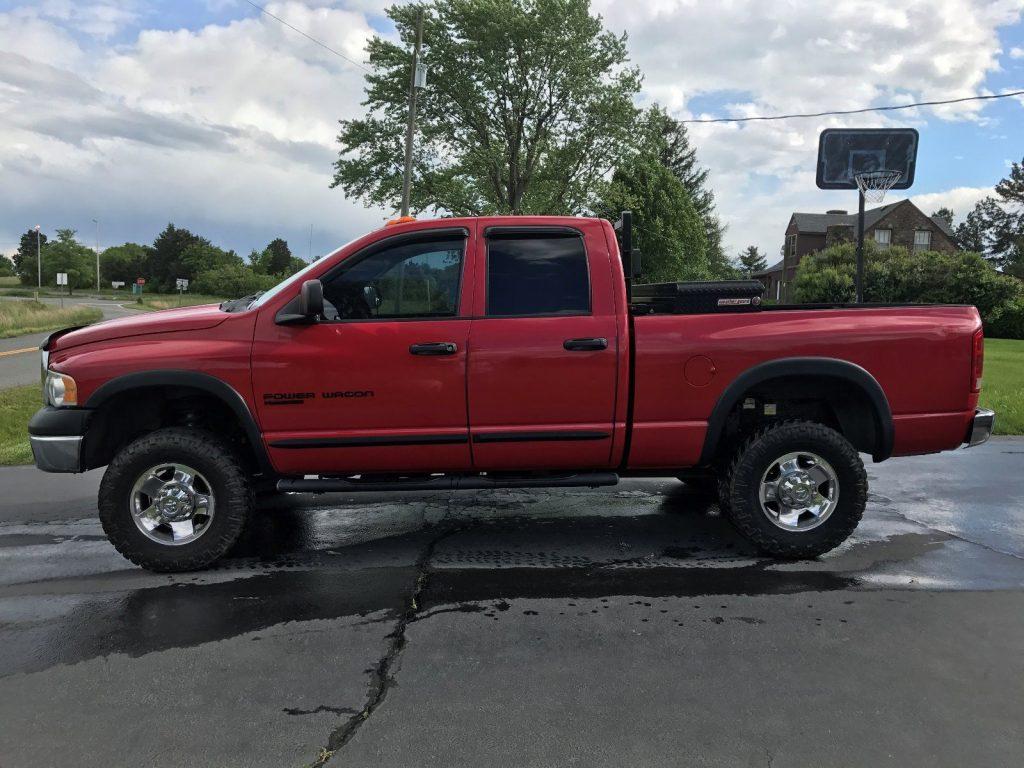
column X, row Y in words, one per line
column 9, row 280
column 16, row 408
column 20, row 317
column 1002, row 387
column 155, row 301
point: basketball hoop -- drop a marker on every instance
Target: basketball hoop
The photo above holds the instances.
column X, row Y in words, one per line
column 874, row 184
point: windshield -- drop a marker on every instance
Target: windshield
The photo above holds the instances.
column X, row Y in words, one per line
column 266, row 296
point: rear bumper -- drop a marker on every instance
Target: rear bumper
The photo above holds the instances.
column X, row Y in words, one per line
column 981, row 427
column 56, row 436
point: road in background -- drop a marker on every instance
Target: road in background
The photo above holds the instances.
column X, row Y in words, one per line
column 609, row 627
column 23, row 368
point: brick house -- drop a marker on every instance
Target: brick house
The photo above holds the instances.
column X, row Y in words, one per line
column 901, row 223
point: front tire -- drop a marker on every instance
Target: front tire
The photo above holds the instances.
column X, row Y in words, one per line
column 796, row 490
column 174, row 500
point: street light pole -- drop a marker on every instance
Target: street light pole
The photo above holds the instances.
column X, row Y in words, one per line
column 97, row 223
column 39, row 259
column 410, row 127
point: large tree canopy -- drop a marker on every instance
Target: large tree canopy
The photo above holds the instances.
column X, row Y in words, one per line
column 528, row 107
column 996, row 225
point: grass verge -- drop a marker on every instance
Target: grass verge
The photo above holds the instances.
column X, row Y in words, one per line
column 154, row 302
column 16, row 408
column 1002, row 387
column 20, row 317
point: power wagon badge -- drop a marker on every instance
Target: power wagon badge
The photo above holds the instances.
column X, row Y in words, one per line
column 298, row 398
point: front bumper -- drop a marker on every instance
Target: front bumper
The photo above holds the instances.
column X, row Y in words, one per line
column 56, row 436
column 981, row 427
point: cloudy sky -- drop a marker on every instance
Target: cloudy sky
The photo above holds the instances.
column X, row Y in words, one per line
column 218, row 118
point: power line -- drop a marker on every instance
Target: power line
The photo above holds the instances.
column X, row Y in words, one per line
column 854, row 111
column 323, row 45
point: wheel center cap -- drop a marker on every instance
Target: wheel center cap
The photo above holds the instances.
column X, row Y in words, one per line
column 175, row 502
column 796, row 489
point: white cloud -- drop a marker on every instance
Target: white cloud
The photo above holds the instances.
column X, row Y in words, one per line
column 960, row 200
column 231, row 127
column 1017, row 53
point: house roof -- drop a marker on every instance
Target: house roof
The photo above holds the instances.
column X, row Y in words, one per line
column 818, row 223
column 776, row 267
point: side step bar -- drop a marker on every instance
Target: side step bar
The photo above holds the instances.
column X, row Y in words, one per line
column 445, row 483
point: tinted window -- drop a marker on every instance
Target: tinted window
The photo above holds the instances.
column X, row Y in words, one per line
column 537, row 276
column 409, row 280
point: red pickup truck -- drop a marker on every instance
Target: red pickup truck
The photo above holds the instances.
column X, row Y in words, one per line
column 498, row 352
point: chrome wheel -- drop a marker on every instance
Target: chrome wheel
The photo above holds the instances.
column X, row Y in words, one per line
column 799, row 491
column 172, row 504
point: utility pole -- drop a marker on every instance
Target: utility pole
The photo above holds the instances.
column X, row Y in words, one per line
column 39, row 259
column 416, row 81
column 860, row 248
column 97, row 223
column 309, row 253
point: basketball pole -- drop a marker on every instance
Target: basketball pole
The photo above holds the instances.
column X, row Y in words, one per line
column 860, row 247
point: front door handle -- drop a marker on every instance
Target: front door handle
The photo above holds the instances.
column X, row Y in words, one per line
column 434, row 348
column 585, row 345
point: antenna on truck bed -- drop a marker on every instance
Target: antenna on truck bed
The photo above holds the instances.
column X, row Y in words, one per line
column 630, row 255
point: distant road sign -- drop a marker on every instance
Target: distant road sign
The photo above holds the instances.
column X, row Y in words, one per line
column 62, row 278
column 181, row 284
column 141, row 281
column 115, row 284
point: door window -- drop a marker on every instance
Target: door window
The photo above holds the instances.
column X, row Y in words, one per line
column 401, row 281
column 529, row 275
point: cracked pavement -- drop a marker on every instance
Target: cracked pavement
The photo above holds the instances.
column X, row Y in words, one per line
column 626, row 625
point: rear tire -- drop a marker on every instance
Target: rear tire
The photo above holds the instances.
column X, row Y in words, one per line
column 175, row 500
column 796, row 489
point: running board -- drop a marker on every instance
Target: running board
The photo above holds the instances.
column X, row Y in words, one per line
column 445, row 483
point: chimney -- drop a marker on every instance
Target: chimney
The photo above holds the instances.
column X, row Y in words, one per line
column 837, row 212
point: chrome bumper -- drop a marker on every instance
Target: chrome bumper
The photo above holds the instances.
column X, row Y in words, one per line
column 57, row 454
column 981, row 426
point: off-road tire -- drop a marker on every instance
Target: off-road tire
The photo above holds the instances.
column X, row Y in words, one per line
column 212, row 457
column 752, row 461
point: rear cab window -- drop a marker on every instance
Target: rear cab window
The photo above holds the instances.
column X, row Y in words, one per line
column 536, row 273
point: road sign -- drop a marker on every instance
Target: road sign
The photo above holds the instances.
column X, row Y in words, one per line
column 181, row 284
column 141, row 281
column 115, row 284
column 62, row 278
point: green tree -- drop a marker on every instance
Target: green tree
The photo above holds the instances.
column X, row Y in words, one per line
column 124, row 263
column 232, row 281
column 680, row 156
column 528, row 109
column 6, row 267
column 752, row 261
column 946, row 214
column 25, row 263
column 276, row 258
column 65, row 254
column 667, row 229
column 996, row 225
column 177, row 252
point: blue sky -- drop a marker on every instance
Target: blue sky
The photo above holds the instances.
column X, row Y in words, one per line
column 210, row 114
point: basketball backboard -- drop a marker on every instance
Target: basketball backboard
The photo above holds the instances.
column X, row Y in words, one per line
column 845, row 152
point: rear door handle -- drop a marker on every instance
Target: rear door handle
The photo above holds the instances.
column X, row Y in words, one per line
column 585, row 345
column 434, row 348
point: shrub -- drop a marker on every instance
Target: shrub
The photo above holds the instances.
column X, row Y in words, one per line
column 232, row 281
column 900, row 276
column 1007, row 321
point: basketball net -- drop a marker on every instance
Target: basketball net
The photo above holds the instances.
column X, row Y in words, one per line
column 874, row 184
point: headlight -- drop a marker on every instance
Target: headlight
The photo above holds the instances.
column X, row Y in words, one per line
column 60, row 389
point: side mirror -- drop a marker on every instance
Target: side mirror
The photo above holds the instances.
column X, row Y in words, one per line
column 311, row 299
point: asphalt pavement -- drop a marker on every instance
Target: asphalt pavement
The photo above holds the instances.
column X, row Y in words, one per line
column 620, row 626
column 21, row 363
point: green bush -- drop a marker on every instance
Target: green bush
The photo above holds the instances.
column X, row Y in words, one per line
column 1007, row 321
column 232, row 281
column 897, row 275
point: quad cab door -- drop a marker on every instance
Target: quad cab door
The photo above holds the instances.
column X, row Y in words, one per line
column 543, row 358
column 379, row 385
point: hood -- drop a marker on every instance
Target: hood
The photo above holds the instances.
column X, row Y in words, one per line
column 163, row 321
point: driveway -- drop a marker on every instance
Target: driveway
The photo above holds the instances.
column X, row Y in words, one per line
column 19, row 358
column 622, row 626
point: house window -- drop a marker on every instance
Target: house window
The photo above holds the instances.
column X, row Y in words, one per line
column 922, row 239
column 792, row 245
column 883, row 237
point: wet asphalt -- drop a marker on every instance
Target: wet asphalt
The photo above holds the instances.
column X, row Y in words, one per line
column 621, row 626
